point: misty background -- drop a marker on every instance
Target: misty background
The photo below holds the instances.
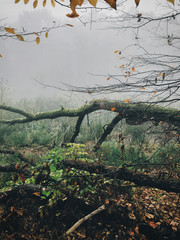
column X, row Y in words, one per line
column 72, row 55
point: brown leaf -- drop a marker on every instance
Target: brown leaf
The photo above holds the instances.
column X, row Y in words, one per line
column 0, row 55
column 46, row 34
column 16, row 1
column 20, row 37
column 26, row 1
column 53, row 3
column 38, row 40
column 137, row 2
column 93, row 2
column 112, row 3
column 73, row 5
column 44, row 3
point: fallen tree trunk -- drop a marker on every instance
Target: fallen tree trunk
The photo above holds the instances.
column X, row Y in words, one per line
column 125, row 174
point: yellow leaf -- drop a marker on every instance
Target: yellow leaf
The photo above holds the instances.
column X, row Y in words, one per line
column 35, row 3
column 10, row 30
column 93, row 2
column 112, row 3
column 137, row 2
column 0, row 55
column 38, row 40
column 44, row 3
column 112, row 109
column 16, row 1
column 46, row 34
column 53, row 3
column 20, row 37
column 26, row 1
column 133, row 69
column 127, row 100
column 171, row 1
column 122, row 66
column 160, row 74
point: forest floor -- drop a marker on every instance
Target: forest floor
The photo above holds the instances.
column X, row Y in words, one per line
column 143, row 213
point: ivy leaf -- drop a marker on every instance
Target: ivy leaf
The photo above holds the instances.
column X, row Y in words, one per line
column 38, row 40
column 93, row 2
column 26, row 1
column 112, row 3
column 44, row 3
column 53, row 3
column 10, row 30
column 35, row 3
column 171, row 1
column 20, row 37
column 137, row 2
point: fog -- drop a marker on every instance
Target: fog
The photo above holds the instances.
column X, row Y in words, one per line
column 72, row 55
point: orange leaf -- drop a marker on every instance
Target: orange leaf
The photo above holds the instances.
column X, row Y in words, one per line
column 112, row 109
column 112, row 3
column 127, row 100
column 122, row 66
column 38, row 40
column 108, row 78
column 70, row 25
column 53, row 3
column 152, row 224
column 116, row 51
column 35, row 3
column 37, row 194
column 106, row 201
column 143, row 88
column 10, row 30
column 137, row 2
column 154, row 92
column 75, row 183
column 44, row 3
column 133, row 69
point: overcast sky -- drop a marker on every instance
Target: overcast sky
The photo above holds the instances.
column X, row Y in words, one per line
column 69, row 54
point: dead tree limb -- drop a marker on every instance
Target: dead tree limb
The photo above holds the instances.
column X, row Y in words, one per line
column 77, row 224
column 125, row 174
column 77, row 129
column 107, row 131
column 16, row 153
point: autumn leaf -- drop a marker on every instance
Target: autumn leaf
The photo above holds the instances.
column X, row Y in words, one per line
column 154, row 92
column 73, row 5
column 93, row 2
column 127, row 100
column 36, row 194
column 112, row 3
column 20, row 37
column 116, row 51
column 36, row 33
column 122, row 66
column 108, row 78
column 10, row 30
column 143, row 88
column 46, row 34
column 53, row 3
column 137, row 2
column 16, row 1
column 0, row 55
column 44, row 3
column 152, row 224
column 89, row 92
column 26, row 1
column 160, row 74
column 112, row 109
column 171, row 1
column 38, row 40
column 69, row 25
column 35, row 3
column 133, row 69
